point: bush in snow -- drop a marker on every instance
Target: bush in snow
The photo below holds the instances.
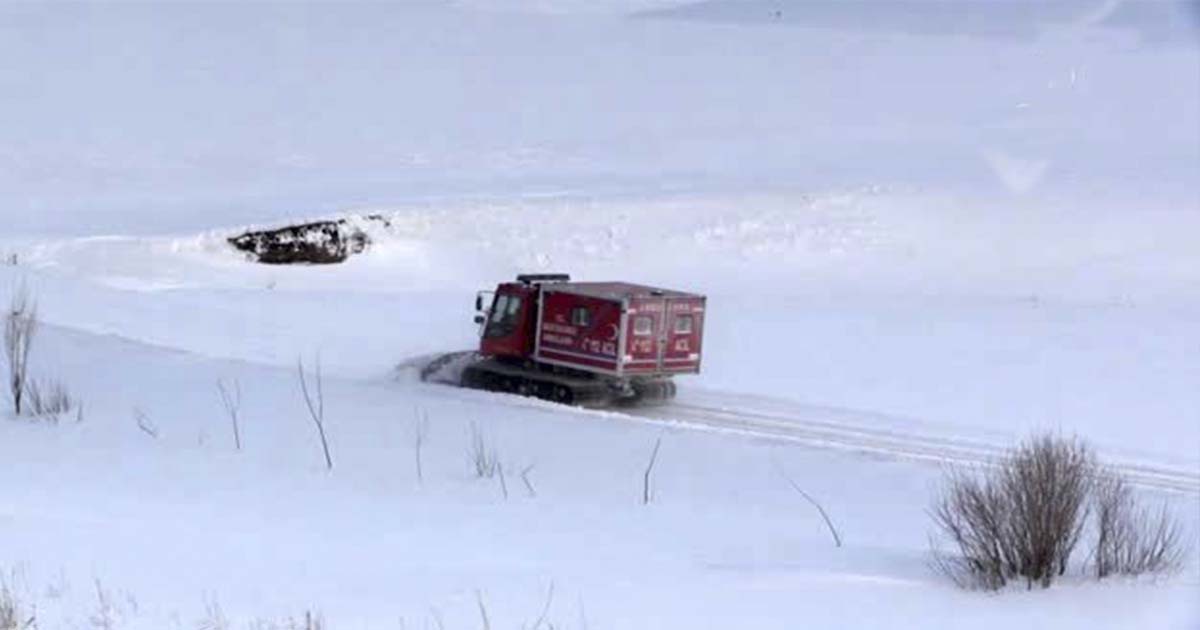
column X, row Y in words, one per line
column 20, row 326
column 42, row 399
column 49, row 399
column 309, row 621
column 14, row 614
column 1023, row 519
column 1130, row 539
column 1020, row 520
column 214, row 617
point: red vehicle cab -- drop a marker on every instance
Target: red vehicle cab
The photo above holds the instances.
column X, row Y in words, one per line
column 509, row 327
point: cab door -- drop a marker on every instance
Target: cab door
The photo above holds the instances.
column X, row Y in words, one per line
column 507, row 327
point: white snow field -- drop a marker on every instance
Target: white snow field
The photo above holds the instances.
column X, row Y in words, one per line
column 926, row 230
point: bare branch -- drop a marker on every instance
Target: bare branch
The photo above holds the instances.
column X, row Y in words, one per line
column 105, row 615
column 649, row 470
column 525, row 478
column 144, row 423
column 420, row 432
column 437, row 618
column 837, row 537
column 481, row 454
column 545, row 608
column 232, row 401
column 1131, row 540
column 487, row 625
column 214, row 617
column 503, row 483
column 316, row 410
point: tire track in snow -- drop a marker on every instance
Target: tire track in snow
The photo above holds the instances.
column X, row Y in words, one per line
column 845, row 430
column 850, row 430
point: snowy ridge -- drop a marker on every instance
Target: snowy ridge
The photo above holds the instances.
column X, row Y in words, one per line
column 874, row 238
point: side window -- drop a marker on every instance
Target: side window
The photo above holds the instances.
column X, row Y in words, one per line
column 683, row 324
column 581, row 316
column 500, row 308
column 643, row 325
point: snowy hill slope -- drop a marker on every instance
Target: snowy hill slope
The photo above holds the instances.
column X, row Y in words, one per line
column 266, row 532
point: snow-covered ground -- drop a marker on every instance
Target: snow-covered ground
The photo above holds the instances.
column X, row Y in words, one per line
column 961, row 233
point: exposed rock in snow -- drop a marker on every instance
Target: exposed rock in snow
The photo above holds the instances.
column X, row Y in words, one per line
column 318, row 242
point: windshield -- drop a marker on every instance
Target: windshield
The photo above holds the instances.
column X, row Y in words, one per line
column 504, row 316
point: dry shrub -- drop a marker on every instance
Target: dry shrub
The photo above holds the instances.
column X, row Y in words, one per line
column 972, row 514
column 481, row 454
column 214, row 617
column 1020, row 520
column 41, row 399
column 14, row 613
column 310, row 620
column 48, row 399
column 20, row 327
column 1047, row 483
column 1130, row 539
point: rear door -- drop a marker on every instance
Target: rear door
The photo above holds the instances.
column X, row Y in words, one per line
column 644, row 339
column 682, row 327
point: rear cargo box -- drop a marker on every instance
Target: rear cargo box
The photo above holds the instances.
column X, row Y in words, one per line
column 619, row 329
